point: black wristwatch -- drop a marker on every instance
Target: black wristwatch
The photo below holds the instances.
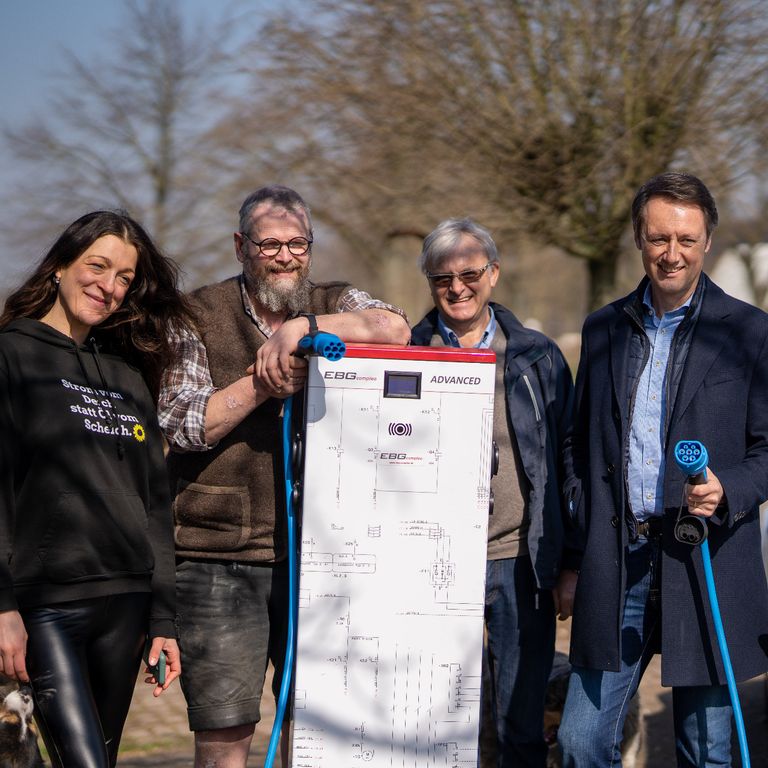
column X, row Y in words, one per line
column 312, row 320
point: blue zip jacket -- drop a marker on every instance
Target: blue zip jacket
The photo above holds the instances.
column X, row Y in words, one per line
column 539, row 391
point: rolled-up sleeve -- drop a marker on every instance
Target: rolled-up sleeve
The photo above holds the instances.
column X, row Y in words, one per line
column 354, row 300
column 186, row 389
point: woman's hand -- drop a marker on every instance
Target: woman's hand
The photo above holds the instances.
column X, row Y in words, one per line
column 169, row 647
column 13, row 646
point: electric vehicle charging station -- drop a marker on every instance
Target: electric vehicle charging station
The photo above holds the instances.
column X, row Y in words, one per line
column 395, row 491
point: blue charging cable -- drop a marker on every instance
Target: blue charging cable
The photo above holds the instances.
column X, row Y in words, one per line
column 332, row 348
column 692, row 459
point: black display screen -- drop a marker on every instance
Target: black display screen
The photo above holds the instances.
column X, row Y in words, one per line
column 399, row 384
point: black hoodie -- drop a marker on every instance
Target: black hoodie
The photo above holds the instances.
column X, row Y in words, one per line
column 84, row 504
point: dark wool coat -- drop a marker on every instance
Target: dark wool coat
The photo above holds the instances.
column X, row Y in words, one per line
column 721, row 400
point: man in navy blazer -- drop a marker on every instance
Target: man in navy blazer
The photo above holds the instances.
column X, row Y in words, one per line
column 676, row 359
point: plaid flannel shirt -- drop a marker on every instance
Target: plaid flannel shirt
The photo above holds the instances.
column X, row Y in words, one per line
column 187, row 385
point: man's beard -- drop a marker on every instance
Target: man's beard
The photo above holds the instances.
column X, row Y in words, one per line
column 278, row 296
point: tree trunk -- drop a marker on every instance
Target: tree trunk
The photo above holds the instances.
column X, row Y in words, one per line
column 602, row 280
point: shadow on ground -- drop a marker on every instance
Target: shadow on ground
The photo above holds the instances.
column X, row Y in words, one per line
column 754, row 705
column 156, row 734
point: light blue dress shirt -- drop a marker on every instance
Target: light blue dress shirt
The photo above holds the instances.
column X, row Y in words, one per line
column 450, row 339
column 645, row 473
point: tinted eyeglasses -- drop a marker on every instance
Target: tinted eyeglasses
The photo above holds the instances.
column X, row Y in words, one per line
column 444, row 279
column 297, row 246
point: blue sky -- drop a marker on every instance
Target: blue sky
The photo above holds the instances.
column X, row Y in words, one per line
column 34, row 35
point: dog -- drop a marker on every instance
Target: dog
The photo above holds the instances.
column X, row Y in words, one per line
column 18, row 734
column 633, row 738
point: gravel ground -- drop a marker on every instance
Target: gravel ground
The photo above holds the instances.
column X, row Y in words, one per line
column 156, row 733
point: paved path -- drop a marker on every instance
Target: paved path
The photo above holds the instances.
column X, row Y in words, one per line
column 156, row 733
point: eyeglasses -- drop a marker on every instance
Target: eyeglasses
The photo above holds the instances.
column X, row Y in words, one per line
column 297, row 246
column 444, row 279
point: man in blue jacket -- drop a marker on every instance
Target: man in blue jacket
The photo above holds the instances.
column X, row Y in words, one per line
column 525, row 583
column 676, row 359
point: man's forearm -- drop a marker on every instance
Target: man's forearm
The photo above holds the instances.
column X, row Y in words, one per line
column 373, row 326
column 275, row 359
column 229, row 406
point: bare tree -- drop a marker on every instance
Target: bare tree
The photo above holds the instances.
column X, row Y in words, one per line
column 541, row 118
column 133, row 130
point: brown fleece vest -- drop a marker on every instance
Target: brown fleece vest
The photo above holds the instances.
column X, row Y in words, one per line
column 229, row 501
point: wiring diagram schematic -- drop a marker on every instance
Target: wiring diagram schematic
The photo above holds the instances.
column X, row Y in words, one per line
column 395, row 502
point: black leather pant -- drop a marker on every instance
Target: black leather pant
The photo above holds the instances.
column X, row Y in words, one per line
column 83, row 658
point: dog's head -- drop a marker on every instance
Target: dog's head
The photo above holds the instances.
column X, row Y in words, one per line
column 16, row 724
column 18, row 704
column 18, row 735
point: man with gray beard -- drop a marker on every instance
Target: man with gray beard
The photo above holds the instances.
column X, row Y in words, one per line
column 220, row 409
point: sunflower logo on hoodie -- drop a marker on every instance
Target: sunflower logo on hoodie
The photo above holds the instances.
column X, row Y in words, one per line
column 139, row 434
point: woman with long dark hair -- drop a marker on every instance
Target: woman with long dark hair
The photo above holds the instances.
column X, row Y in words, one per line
column 86, row 539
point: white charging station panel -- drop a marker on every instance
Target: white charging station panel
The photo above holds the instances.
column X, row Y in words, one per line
column 395, row 499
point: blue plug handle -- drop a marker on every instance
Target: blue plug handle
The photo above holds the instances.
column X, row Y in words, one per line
column 692, row 459
column 327, row 345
